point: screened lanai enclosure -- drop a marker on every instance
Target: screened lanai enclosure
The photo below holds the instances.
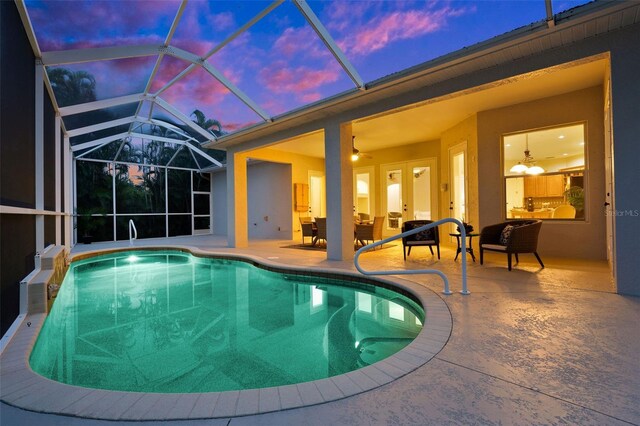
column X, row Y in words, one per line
column 145, row 89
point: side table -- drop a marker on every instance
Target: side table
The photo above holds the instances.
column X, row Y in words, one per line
column 469, row 245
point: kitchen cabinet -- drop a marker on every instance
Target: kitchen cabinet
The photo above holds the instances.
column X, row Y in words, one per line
column 544, row 186
column 554, row 185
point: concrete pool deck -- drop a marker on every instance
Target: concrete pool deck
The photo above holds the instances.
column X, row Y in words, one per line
column 543, row 346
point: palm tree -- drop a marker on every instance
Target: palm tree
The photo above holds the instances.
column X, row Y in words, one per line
column 72, row 87
column 207, row 123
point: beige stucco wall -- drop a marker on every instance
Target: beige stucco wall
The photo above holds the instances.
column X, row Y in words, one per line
column 580, row 239
column 465, row 131
column 300, row 166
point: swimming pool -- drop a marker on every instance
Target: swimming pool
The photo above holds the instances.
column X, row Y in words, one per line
column 170, row 322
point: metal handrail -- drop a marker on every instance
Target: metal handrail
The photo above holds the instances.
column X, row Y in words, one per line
column 133, row 236
column 463, row 249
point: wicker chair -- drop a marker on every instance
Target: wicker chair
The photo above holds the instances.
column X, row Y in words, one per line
column 321, row 232
column 429, row 237
column 308, row 228
column 522, row 239
column 370, row 232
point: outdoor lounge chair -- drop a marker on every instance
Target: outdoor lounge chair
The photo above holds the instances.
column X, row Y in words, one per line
column 429, row 237
column 520, row 237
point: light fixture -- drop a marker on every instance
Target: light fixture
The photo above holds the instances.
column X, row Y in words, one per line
column 355, row 153
column 527, row 165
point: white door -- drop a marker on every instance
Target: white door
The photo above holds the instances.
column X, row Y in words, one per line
column 609, row 205
column 317, row 206
column 458, row 183
column 363, row 194
column 409, row 192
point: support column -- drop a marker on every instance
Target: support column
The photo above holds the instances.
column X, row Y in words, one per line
column 39, row 154
column 339, row 189
column 237, row 217
column 58, row 182
column 68, row 194
column 625, row 68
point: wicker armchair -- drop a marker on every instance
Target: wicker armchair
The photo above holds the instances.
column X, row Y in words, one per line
column 321, row 230
column 370, row 232
column 429, row 237
column 522, row 239
column 308, row 228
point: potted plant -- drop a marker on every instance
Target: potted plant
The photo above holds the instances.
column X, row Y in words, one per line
column 468, row 228
column 575, row 196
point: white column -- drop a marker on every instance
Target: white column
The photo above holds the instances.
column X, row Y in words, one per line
column 58, row 184
column 625, row 92
column 39, row 154
column 68, row 194
column 339, row 189
column 237, row 217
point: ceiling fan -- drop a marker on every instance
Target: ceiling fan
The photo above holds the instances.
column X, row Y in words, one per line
column 355, row 153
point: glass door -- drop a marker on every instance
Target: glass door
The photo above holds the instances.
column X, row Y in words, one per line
column 422, row 203
column 409, row 192
column 363, row 196
column 458, row 182
column 393, row 197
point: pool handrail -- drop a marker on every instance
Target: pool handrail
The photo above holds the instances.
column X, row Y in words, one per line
column 463, row 249
column 134, row 236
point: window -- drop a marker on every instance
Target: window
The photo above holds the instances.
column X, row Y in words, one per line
column 545, row 173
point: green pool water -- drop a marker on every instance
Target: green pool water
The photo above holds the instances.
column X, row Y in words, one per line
column 168, row 321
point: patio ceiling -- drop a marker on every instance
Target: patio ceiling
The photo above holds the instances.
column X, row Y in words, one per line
column 115, row 68
column 427, row 121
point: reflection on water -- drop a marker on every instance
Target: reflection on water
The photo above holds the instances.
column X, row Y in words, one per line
column 171, row 322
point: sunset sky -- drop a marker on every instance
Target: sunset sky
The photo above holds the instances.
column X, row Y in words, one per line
column 279, row 63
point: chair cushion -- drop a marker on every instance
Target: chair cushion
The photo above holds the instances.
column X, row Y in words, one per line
column 419, row 243
column 494, row 247
column 506, row 234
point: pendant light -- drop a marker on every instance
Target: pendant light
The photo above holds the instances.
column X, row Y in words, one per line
column 527, row 165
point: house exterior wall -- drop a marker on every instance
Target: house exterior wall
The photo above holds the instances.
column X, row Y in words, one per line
column 269, row 202
column 580, row 239
column 300, row 167
column 465, row 131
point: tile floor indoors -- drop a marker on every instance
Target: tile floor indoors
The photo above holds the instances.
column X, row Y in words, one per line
column 530, row 346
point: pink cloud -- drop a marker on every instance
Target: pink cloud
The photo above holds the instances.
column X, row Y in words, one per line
column 393, row 27
column 222, row 21
column 197, row 90
column 169, row 68
column 279, row 78
column 311, row 97
column 365, row 27
column 71, row 24
column 302, row 40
